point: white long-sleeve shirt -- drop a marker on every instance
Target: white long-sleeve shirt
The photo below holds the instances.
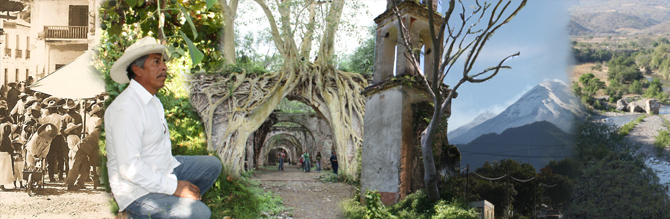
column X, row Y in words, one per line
column 139, row 156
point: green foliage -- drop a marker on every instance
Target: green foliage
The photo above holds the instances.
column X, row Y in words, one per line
column 352, row 208
column 576, row 89
column 332, row 177
column 635, row 88
column 188, row 25
column 615, row 90
column 417, row 205
column 241, row 198
column 445, row 210
column 623, row 69
column 561, row 190
column 363, row 59
column 662, row 141
column 248, row 51
column 522, row 196
column 584, row 55
column 374, row 208
column 413, row 206
column 613, row 181
column 566, row 167
column 618, row 187
column 655, row 90
column 591, row 84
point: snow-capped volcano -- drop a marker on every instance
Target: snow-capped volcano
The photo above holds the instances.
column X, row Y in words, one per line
column 550, row 101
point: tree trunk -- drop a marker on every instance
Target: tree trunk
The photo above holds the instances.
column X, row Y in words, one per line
column 430, row 174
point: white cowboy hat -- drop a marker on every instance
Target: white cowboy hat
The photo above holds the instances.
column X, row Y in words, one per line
column 29, row 101
column 144, row 46
column 69, row 104
column 94, row 109
column 70, row 127
column 51, row 102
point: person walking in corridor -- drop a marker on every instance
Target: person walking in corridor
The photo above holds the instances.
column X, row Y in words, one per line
column 318, row 161
column 307, row 161
column 302, row 162
column 281, row 156
column 333, row 162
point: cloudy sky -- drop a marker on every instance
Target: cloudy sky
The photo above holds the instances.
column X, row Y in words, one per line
column 539, row 32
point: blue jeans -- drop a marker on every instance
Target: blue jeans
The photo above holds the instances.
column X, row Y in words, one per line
column 281, row 164
column 318, row 166
column 202, row 171
column 307, row 163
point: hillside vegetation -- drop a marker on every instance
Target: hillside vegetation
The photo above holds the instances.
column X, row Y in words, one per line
column 619, row 17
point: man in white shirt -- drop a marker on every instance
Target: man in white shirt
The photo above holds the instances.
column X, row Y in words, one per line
column 146, row 180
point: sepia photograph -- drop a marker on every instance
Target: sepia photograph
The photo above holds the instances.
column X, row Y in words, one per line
column 334, row 109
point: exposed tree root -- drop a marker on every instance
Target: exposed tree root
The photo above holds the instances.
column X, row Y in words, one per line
column 235, row 105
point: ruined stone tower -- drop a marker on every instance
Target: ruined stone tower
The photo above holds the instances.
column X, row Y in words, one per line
column 391, row 161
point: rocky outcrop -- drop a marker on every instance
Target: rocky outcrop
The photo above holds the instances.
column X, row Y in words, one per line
column 622, row 105
column 635, row 107
column 649, row 106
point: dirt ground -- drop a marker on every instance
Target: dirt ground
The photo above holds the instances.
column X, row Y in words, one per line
column 579, row 70
column 55, row 202
column 304, row 193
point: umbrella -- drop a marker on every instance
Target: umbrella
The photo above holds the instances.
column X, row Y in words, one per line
column 77, row 80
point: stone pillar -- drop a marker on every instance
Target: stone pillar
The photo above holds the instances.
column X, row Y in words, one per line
column 403, row 64
column 385, row 49
column 388, row 142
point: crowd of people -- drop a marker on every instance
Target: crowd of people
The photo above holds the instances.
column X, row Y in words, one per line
column 39, row 132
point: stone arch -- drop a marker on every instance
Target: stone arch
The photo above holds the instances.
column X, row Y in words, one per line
column 299, row 134
column 234, row 105
column 318, row 127
column 302, row 133
column 284, row 138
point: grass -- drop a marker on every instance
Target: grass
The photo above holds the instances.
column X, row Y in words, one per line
column 353, row 209
column 241, row 198
column 333, row 178
column 625, row 129
column 414, row 206
column 663, row 138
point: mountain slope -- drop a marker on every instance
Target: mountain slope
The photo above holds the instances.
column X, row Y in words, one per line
column 536, row 143
column 478, row 120
column 550, row 101
column 617, row 16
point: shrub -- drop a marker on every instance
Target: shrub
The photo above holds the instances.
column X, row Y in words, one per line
column 662, row 140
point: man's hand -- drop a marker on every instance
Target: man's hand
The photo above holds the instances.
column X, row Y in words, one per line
column 185, row 189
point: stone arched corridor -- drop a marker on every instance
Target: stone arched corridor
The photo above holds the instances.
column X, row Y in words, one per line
column 293, row 132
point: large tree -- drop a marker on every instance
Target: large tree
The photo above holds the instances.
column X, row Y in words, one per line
column 234, row 103
column 462, row 42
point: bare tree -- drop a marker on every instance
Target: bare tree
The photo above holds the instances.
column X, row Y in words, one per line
column 458, row 42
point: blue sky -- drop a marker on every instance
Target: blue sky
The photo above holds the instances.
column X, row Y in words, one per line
column 539, row 32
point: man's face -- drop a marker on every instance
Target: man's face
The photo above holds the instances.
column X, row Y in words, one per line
column 153, row 75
